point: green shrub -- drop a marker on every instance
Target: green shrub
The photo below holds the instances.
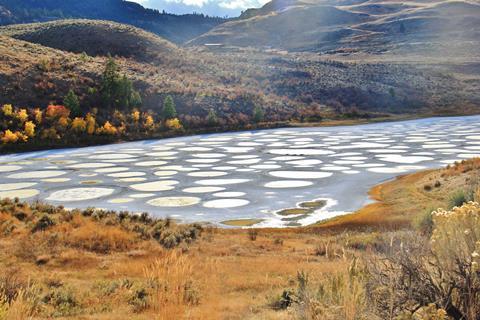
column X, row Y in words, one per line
column 43, row 223
column 459, row 198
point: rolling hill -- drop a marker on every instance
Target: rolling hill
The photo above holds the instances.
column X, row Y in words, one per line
column 40, row 63
column 176, row 28
column 95, row 38
column 357, row 26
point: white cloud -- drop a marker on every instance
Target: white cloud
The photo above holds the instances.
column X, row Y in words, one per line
column 242, row 4
column 210, row 7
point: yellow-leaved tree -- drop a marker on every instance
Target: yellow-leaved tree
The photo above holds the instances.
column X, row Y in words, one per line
column 91, row 123
column 7, row 110
column 79, row 125
column 30, row 129
column 173, row 124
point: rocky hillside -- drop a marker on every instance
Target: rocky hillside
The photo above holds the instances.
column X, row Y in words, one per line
column 176, row 28
column 432, row 27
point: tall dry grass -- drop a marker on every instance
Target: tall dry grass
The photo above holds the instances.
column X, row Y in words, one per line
column 174, row 287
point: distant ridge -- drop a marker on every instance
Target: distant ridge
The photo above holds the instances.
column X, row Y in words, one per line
column 422, row 27
column 176, row 28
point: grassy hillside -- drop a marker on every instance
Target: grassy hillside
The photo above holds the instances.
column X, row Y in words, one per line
column 95, row 38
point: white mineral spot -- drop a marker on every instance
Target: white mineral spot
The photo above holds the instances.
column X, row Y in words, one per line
column 403, row 159
column 121, row 160
column 245, row 156
column 111, row 170
column 227, row 168
column 91, row 165
column 334, row 168
column 347, row 162
column 350, row 171
column 165, row 173
column 226, row 203
column 220, row 182
column 21, row 194
column 207, row 174
column 203, row 189
column 360, row 145
column 120, row 200
column 386, row 170
column 162, row 148
column 174, row 201
column 203, row 160
column 178, row 168
column 151, row 163
column 248, row 144
column 243, row 162
column 229, row 194
column 306, row 162
column 299, row 152
column 37, row 174
column 369, row 165
column 126, row 174
column 16, row 186
column 113, row 156
column 300, row 174
column 266, row 166
column 287, row 158
column 288, row 184
column 56, row 180
column 237, row 149
column 209, row 155
column 80, row 194
column 196, row 149
column 162, row 154
column 162, row 185
column 9, row 168
column 138, row 179
column 141, row 195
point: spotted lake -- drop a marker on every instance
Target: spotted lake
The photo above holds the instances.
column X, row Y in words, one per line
column 246, row 175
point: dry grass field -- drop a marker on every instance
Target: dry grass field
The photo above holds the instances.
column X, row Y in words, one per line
column 97, row 265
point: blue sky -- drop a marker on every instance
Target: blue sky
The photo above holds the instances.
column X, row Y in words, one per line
column 221, row 8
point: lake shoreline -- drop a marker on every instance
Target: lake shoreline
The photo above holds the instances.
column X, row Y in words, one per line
column 27, row 148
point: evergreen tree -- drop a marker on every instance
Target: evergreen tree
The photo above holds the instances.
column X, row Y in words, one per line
column 117, row 91
column 212, row 118
column 110, row 83
column 169, row 111
column 258, row 114
column 125, row 91
column 71, row 102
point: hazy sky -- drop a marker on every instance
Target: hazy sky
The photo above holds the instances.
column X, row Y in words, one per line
column 221, row 8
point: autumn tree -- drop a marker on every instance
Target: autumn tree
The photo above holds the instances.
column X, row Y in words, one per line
column 71, row 101
column 30, row 129
column 7, row 110
column 173, row 124
column 91, row 123
column 79, row 125
column 169, row 111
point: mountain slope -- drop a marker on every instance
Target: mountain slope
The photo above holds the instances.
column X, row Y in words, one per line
column 176, row 28
column 373, row 26
column 93, row 37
